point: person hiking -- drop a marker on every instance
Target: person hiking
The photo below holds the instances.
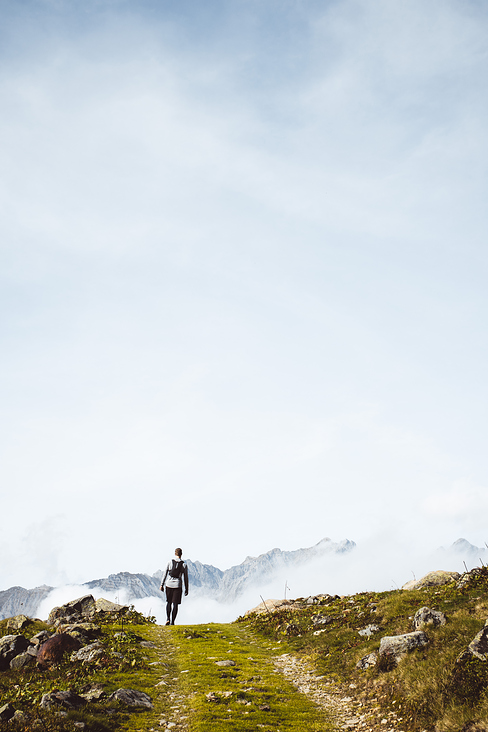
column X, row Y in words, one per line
column 172, row 579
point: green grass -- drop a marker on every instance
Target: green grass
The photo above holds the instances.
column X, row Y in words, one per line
column 25, row 688
column 252, row 695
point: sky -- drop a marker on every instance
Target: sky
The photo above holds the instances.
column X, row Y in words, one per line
column 243, row 280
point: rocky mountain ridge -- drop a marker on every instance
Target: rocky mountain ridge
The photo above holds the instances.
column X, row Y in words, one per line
column 206, row 580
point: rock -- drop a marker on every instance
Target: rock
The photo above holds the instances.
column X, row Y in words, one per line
column 394, row 647
column 73, row 611
column 22, row 660
column 368, row 631
column 292, row 629
column 6, row 712
column 132, row 698
column 478, row 648
column 269, row 606
column 88, row 654
column 92, row 692
column 228, row 662
column 18, row 622
column 84, row 632
column 106, row 606
column 367, row 661
column 67, row 699
column 53, row 650
column 321, row 619
column 432, row 579
column 40, row 638
column 427, row 616
column 11, row 646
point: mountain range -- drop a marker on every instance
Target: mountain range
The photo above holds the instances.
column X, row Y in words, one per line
column 206, row 580
column 224, row 586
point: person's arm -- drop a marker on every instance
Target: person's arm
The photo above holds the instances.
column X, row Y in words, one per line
column 164, row 578
column 185, row 577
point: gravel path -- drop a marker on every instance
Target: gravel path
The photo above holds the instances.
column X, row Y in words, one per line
column 169, row 700
column 348, row 712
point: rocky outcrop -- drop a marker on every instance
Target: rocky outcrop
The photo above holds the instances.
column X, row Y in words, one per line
column 73, row 612
column 11, row 646
column 394, row 647
column 427, row 616
column 478, row 648
column 132, row 698
column 432, row 579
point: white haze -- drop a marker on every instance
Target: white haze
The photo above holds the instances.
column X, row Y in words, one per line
column 378, row 565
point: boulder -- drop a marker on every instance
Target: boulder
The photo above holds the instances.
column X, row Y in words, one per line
column 321, row 619
column 106, row 606
column 11, row 646
column 369, row 630
column 74, row 611
column 22, row 660
column 53, row 650
column 39, row 638
column 84, row 632
column 92, row 692
column 432, row 579
column 394, row 647
column 88, row 654
column 427, row 616
column 67, row 699
column 367, row 661
column 478, row 648
column 132, row 698
column 18, row 622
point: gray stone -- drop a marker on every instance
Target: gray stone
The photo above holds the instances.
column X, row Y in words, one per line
column 427, row 616
column 432, row 579
column 39, row 638
column 369, row 630
column 321, row 619
column 67, row 699
column 18, row 622
column 22, row 660
column 84, row 632
column 92, row 692
column 478, row 648
column 228, row 662
column 394, row 647
column 11, row 646
column 132, row 698
column 367, row 661
column 88, row 654
column 73, row 611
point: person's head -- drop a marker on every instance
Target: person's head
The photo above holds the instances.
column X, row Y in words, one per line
column 178, row 552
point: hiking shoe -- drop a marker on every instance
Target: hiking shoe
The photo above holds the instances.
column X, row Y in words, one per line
column 167, row 622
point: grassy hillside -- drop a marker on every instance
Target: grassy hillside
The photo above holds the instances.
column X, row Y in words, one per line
column 428, row 689
column 226, row 677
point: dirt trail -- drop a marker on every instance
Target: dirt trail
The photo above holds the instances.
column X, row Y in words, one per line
column 170, row 702
column 347, row 711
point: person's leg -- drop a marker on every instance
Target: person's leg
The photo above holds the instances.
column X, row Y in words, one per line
column 174, row 613
column 168, row 612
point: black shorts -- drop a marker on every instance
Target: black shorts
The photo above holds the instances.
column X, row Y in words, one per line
column 173, row 595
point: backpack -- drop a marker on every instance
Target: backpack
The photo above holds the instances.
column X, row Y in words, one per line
column 177, row 569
